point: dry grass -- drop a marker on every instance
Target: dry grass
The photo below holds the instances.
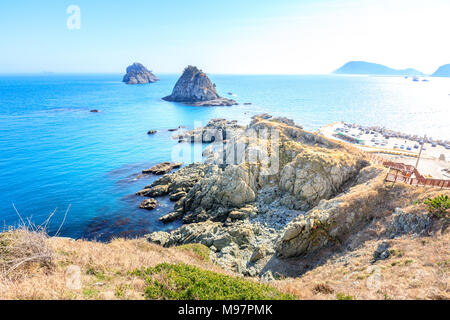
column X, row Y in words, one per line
column 419, row 271
column 22, row 248
column 104, row 270
column 418, row 268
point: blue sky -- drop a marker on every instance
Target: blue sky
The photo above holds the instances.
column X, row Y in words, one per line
column 233, row 36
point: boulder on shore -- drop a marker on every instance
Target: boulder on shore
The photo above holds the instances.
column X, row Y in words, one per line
column 149, row 204
column 195, row 88
column 138, row 74
column 162, row 168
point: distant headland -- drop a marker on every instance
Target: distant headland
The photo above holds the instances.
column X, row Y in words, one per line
column 443, row 71
column 362, row 67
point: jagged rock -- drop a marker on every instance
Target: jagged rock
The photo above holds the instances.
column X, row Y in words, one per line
column 177, row 196
column 382, row 252
column 156, row 191
column 408, row 223
column 259, row 253
column 217, row 130
column 240, row 202
column 171, row 217
column 181, row 181
column 330, row 219
column 267, row 276
column 159, row 238
column 305, row 174
column 149, row 204
column 162, row 168
column 217, row 193
column 195, row 88
column 246, row 212
column 138, row 74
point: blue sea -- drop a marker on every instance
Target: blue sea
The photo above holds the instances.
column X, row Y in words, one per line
column 57, row 157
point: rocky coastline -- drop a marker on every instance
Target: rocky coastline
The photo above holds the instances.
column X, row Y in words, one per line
column 253, row 217
column 239, row 208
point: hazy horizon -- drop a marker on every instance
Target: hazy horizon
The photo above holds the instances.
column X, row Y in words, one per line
column 287, row 37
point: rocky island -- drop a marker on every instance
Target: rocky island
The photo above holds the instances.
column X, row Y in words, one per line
column 196, row 89
column 138, row 74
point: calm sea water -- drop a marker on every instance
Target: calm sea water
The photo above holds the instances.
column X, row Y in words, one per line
column 54, row 153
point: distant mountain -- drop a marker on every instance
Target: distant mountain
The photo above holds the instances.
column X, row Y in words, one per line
column 443, row 71
column 362, row 67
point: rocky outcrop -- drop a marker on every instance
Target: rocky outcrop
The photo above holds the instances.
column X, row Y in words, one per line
column 408, row 223
column 138, row 74
column 162, row 168
column 149, row 204
column 195, row 88
column 331, row 220
column 381, row 252
column 256, row 180
column 217, row 130
column 177, row 183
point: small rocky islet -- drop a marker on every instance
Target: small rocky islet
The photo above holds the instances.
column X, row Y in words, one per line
column 138, row 74
column 321, row 195
column 195, row 88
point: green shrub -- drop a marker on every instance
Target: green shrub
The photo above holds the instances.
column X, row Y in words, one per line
column 184, row 282
column 341, row 296
column 438, row 206
column 198, row 249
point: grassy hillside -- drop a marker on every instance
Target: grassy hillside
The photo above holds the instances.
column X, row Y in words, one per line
column 122, row 269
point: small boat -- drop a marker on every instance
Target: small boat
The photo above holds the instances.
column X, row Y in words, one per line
column 415, row 79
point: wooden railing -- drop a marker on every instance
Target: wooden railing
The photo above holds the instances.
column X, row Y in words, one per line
column 403, row 173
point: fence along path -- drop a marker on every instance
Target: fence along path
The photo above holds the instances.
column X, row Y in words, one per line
column 400, row 172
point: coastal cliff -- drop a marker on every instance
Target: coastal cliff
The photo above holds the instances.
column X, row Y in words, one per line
column 195, row 88
column 138, row 74
column 240, row 203
column 309, row 195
